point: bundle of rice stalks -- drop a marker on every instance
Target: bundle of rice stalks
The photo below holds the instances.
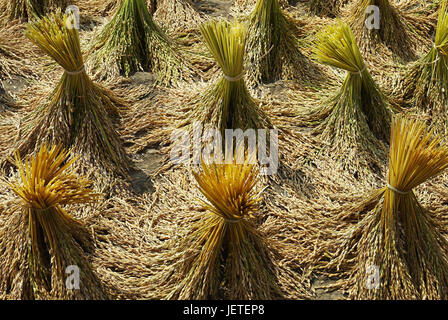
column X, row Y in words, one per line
column 272, row 49
column 41, row 244
column 29, row 9
column 399, row 31
column 228, row 103
column 225, row 255
column 180, row 17
column 132, row 42
column 404, row 243
column 79, row 113
column 357, row 118
column 425, row 85
column 249, row 4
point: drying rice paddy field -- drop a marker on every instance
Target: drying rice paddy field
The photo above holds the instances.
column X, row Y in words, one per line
column 96, row 100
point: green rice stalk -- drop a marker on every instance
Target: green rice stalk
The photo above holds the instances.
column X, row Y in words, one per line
column 228, row 104
column 41, row 240
column 272, row 51
column 133, row 42
column 356, row 119
column 425, row 85
column 28, row 9
column 79, row 113
column 393, row 231
column 224, row 249
column 398, row 32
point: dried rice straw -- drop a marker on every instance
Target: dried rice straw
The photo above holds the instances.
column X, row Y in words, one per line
column 133, row 42
column 40, row 240
column 395, row 236
column 425, row 84
column 79, row 113
column 356, row 120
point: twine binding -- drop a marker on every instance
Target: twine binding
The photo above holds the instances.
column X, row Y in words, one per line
column 241, row 75
column 396, row 190
column 75, row 73
column 359, row 72
column 233, row 220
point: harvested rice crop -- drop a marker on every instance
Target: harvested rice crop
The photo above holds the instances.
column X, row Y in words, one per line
column 224, row 247
column 41, row 241
column 227, row 104
column 29, row 9
column 357, row 117
column 79, row 113
column 16, row 58
column 180, row 17
column 132, row 42
column 330, row 8
column 396, row 234
column 397, row 30
column 272, row 50
column 425, row 85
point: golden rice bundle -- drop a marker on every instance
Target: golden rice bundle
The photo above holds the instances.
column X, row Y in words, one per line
column 133, row 42
column 394, row 239
column 272, row 50
column 29, row 9
column 228, row 104
column 224, row 255
column 41, row 244
column 356, row 119
column 79, row 113
column 398, row 30
column 425, row 85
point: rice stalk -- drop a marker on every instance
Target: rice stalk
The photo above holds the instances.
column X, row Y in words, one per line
column 394, row 233
column 29, row 9
column 227, row 104
column 179, row 17
column 41, row 240
column 272, row 51
column 356, row 119
column 79, row 113
column 425, row 84
column 133, row 42
column 224, row 248
column 399, row 31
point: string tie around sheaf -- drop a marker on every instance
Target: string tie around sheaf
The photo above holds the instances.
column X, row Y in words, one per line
column 75, row 73
column 403, row 193
column 232, row 220
column 241, row 75
column 359, row 72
